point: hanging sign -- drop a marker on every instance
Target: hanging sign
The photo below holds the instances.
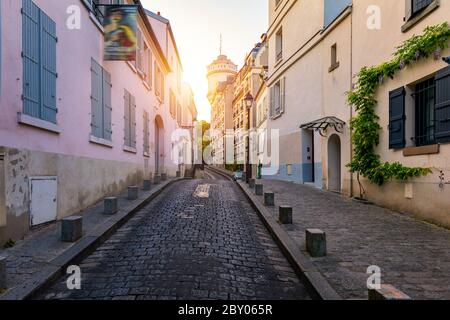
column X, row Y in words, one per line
column 120, row 25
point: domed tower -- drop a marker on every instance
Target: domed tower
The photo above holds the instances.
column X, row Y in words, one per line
column 219, row 71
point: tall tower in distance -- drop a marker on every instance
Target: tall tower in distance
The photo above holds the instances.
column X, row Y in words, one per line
column 221, row 74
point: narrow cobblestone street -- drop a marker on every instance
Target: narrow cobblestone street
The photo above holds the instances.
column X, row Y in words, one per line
column 200, row 239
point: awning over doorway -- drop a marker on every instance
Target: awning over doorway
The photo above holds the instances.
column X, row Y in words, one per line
column 321, row 125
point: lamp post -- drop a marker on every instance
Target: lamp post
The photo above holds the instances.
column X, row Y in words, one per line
column 248, row 103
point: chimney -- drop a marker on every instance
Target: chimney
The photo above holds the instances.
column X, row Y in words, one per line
column 159, row 13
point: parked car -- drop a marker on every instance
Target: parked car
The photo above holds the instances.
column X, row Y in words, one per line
column 238, row 175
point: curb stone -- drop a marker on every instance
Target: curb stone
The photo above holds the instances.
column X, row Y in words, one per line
column 54, row 269
column 315, row 281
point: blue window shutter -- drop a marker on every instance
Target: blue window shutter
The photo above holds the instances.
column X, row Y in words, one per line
column 397, row 119
column 132, row 122
column 127, row 140
column 48, row 68
column 107, row 106
column 31, row 59
column 96, row 99
column 443, row 106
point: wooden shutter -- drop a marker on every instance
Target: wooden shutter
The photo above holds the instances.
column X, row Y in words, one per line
column 48, row 68
column 397, row 119
column 31, row 59
column 282, row 94
column 272, row 102
column 408, row 9
column 443, row 105
column 146, row 133
column 127, row 116
column 132, row 121
column 107, row 106
column 96, row 99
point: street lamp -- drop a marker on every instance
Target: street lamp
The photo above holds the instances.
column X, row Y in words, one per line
column 248, row 103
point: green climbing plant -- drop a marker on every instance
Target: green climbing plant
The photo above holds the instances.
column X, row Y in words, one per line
column 365, row 125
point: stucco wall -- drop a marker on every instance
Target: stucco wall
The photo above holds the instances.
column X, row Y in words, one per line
column 82, row 182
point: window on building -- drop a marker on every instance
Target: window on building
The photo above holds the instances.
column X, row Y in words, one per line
column 129, row 120
column 159, row 83
column 173, row 104
column 277, row 100
column 39, row 63
column 425, row 112
column 431, row 112
column 419, row 5
column 139, row 50
column 179, row 114
column 147, row 65
column 334, row 58
column 146, row 133
column 279, row 45
column 99, row 11
column 101, row 107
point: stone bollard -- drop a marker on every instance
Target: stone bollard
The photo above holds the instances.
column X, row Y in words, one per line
column 285, row 215
column 111, row 205
column 178, row 174
column 316, row 243
column 3, row 273
column 163, row 176
column 156, row 179
column 133, row 193
column 72, row 229
column 269, row 199
column 259, row 189
column 387, row 292
column 251, row 183
column 147, row 185
column 244, row 176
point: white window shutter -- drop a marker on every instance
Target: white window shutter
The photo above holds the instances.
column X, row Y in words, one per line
column 282, row 94
column 272, row 102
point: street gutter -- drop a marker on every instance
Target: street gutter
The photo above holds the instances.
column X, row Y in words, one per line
column 317, row 284
column 83, row 248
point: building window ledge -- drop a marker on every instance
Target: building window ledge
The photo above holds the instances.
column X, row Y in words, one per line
column 424, row 150
column 146, row 85
column 96, row 22
column 129, row 149
column 132, row 66
column 333, row 67
column 418, row 17
column 100, row 141
column 38, row 123
column 146, row 154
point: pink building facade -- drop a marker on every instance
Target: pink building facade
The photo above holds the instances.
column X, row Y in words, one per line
column 75, row 128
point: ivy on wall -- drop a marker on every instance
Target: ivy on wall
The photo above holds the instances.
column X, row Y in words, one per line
column 365, row 127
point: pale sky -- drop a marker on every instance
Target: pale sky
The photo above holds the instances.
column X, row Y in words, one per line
column 197, row 25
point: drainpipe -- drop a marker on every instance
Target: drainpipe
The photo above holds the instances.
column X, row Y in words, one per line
column 351, row 107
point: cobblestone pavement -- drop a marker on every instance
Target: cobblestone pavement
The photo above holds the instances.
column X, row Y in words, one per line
column 414, row 256
column 200, row 239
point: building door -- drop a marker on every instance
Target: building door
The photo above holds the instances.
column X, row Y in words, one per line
column 159, row 145
column 308, row 156
column 43, row 196
column 334, row 163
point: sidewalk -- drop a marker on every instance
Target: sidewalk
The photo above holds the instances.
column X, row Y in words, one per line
column 42, row 250
column 413, row 256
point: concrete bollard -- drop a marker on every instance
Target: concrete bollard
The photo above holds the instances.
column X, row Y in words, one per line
column 156, row 179
column 251, row 183
column 259, row 189
column 111, row 205
column 72, row 229
column 244, row 176
column 269, row 199
column 285, row 215
column 316, row 243
column 387, row 292
column 163, row 176
column 3, row 273
column 178, row 174
column 133, row 193
column 147, row 185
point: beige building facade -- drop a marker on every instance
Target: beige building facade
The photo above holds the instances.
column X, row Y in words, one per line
column 315, row 49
